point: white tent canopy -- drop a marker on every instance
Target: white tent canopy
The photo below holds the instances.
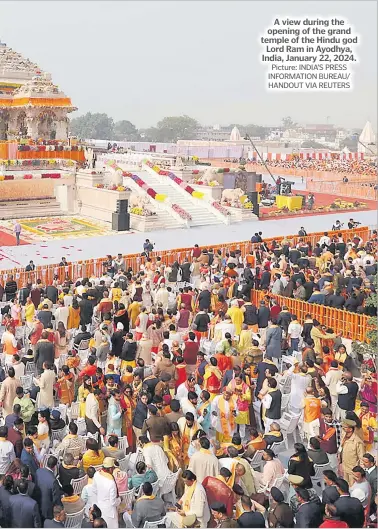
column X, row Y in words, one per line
column 367, row 137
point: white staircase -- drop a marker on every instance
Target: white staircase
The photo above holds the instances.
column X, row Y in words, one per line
column 200, row 215
column 29, row 208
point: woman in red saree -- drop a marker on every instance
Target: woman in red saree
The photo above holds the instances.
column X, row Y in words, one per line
column 127, row 406
column 212, row 378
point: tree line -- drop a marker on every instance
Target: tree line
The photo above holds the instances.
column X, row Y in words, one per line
column 100, row 126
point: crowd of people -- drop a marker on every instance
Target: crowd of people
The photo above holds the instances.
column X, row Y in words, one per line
column 335, row 165
column 165, row 395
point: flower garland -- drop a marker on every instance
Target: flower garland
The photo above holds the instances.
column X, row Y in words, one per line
column 141, row 183
column 221, row 209
column 30, row 176
column 176, row 179
column 183, row 214
column 44, row 148
column 112, row 187
column 142, row 212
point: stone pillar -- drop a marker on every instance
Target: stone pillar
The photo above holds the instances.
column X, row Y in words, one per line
column 61, row 129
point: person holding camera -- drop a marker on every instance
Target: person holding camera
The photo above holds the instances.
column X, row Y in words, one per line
column 353, row 224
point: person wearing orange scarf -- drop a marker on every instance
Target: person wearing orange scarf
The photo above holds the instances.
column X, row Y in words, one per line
column 188, row 427
column 224, row 409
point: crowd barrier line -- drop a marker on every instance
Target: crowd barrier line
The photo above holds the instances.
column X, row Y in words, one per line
column 87, row 268
column 350, row 189
column 350, row 324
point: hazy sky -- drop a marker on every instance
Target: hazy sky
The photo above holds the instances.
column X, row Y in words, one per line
column 145, row 60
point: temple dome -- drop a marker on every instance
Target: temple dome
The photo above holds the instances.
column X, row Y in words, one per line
column 235, row 135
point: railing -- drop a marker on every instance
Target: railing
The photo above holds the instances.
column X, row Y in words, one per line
column 95, row 267
column 350, row 189
column 350, row 324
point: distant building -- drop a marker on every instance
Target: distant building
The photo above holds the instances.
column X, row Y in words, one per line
column 215, row 133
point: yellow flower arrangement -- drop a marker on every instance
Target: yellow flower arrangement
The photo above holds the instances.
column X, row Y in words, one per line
column 197, row 194
column 247, row 205
column 160, row 197
column 136, row 211
column 243, row 199
column 213, row 183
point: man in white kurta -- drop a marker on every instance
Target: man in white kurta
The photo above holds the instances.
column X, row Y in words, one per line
column 204, row 463
column 193, row 503
column 105, row 493
column 223, row 412
column 155, row 458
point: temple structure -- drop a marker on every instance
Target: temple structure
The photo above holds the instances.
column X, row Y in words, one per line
column 31, row 106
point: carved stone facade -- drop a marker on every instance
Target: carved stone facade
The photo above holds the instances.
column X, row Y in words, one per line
column 31, row 106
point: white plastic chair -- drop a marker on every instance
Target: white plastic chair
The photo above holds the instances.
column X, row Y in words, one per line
column 319, row 476
column 124, row 463
column 81, row 427
column 168, row 486
column 62, row 360
column 26, row 381
column 278, row 447
column 73, row 411
column 30, row 369
column 74, row 520
column 123, row 443
column 283, row 485
column 162, row 522
column 58, row 435
column 285, row 401
column 127, row 499
column 257, row 460
column 79, row 483
column 289, row 423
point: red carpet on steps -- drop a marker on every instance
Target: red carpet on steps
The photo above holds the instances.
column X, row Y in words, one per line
column 6, row 239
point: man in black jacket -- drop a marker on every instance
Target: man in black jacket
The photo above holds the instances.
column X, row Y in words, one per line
column 349, row 509
column 335, row 300
column 129, row 348
column 49, row 491
column 263, row 316
column 83, row 335
column 10, row 289
column 45, row 316
column 86, row 310
column 368, row 462
column 44, row 352
column 309, row 287
column 52, row 293
column 24, row 293
column 309, row 514
column 265, row 279
column 24, row 510
column 284, row 318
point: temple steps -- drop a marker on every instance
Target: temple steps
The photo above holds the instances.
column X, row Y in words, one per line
column 29, row 208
